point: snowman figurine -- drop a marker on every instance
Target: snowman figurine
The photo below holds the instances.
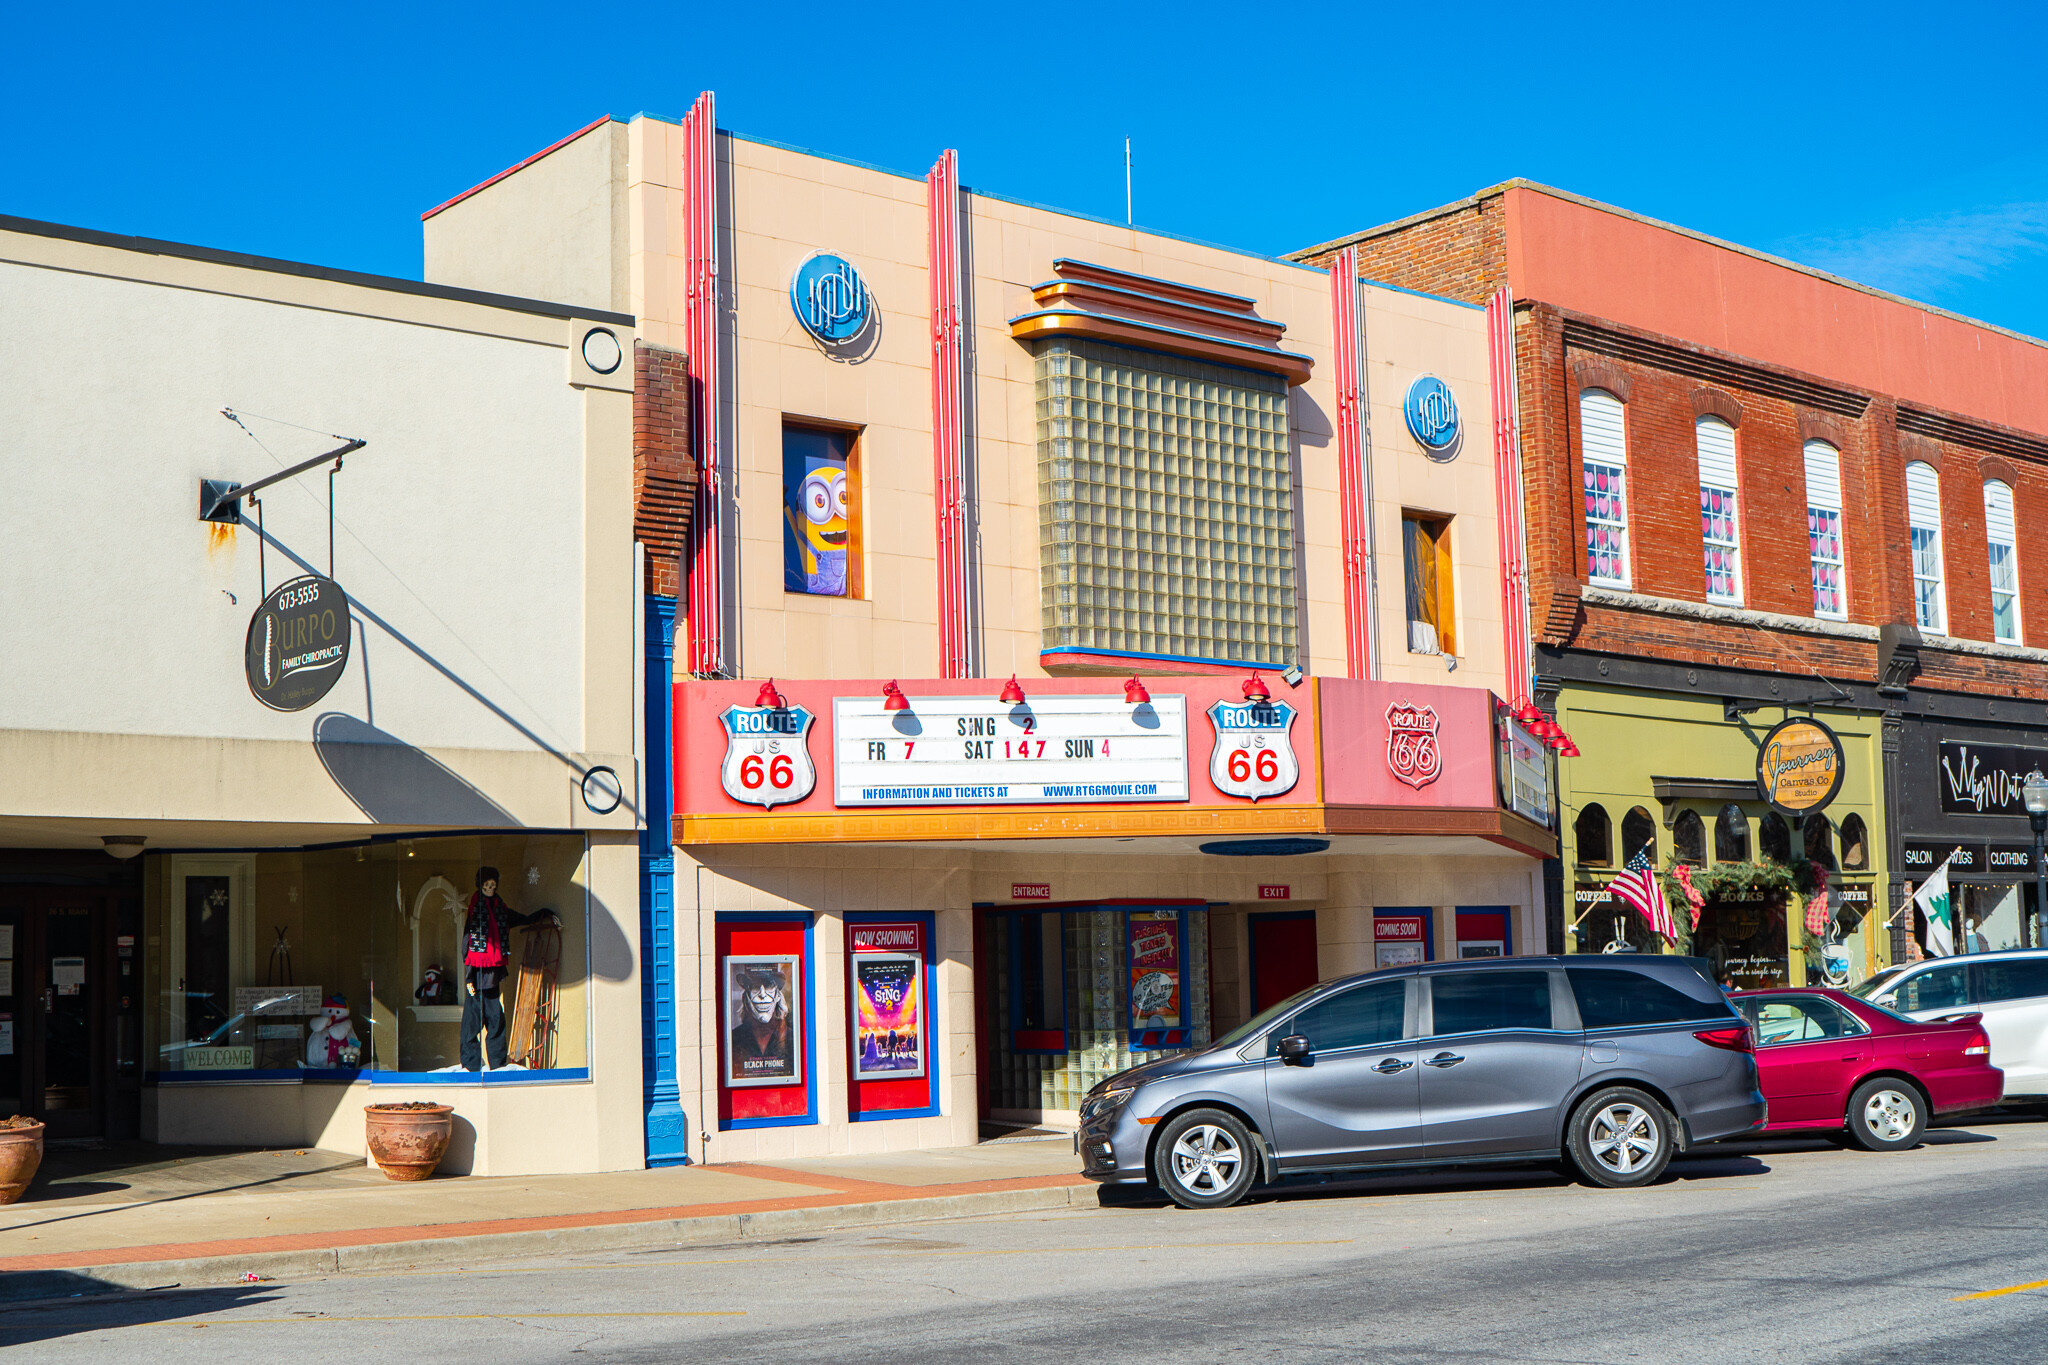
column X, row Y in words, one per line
column 333, row 1041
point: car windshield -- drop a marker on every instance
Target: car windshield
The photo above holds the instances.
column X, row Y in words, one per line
column 1863, row 990
column 1258, row 1022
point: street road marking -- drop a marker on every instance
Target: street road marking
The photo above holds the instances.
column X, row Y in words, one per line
column 2009, row 1289
column 459, row 1317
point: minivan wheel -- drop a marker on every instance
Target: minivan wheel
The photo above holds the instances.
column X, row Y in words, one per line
column 1206, row 1159
column 1621, row 1138
column 1886, row 1116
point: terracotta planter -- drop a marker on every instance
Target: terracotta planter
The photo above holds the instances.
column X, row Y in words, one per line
column 21, row 1152
column 407, row 1143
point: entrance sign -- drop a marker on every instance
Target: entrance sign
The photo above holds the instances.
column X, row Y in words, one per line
column 1254, row 752
column 979, row 751
column 298, row 643
column 830, row 298
column 1799, row 766
column 767, row 755
column 1412, row 753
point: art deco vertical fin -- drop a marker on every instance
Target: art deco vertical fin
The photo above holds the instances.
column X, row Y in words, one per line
column 1507, row 484
column 1354, row 479
column 949, row 444
column 707, row 593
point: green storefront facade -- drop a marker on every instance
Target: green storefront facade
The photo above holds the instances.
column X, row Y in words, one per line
column 1676, row 775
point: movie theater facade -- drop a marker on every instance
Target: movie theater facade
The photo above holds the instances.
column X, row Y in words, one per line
column 1085, row 637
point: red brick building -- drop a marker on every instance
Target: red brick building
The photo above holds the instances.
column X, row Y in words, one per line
column 1754, row 488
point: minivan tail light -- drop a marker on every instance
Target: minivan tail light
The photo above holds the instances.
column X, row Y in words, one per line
column 1734, row 1039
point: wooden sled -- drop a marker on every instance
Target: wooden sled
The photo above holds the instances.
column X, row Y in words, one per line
column 531, row 1041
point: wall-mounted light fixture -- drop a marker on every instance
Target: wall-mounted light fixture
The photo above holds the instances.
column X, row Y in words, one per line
column 1013, row 695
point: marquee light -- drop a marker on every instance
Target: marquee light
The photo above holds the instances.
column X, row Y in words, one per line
column 1013, row 695
column 893, row 698
column 1135, row 693
column 1255, row 689
column 769, row 697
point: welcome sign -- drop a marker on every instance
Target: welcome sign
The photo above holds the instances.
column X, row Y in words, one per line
column 1799, row 766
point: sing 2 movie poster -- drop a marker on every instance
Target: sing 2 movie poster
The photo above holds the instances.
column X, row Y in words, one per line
column 889, row 1022
column 761, row 1023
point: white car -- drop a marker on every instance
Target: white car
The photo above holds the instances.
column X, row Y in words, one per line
column 2009, row 988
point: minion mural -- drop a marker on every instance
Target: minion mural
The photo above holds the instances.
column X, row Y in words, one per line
column 818, row 523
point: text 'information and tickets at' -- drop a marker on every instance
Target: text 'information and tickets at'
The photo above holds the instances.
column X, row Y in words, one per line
column 977, row 751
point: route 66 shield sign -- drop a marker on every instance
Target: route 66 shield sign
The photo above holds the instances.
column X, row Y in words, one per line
column 1254, row 754
column 1412, row 753
column 767, row 755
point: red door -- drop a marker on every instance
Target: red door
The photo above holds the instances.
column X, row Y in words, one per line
column 1283, row 956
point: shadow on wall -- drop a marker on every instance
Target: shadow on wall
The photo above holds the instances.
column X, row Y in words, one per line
column 395, row 784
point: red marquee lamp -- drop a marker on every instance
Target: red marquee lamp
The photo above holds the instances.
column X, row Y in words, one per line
column 1013, row 695
column 893, row 698
column 1255, row 689
column 1135, row 693
column 769, row 697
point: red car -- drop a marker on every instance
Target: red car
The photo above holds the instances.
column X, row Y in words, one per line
column 1829, row 1061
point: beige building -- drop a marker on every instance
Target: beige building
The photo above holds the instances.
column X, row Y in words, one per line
column 251, row 764
column 979, row 475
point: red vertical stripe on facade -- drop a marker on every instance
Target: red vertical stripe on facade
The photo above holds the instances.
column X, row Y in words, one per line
column 1507, row 485
column 706, row 651
column 1352, row 484
column 949, row 454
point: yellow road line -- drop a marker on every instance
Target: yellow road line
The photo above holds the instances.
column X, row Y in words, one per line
column 452, row 1317
column 1995, row 1293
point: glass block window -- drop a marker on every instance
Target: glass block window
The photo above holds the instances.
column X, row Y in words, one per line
column 2002, row 536
column 1824, row 531
column 1720, row 523
column 1166, row 506
column 1923, row 514
column 1603, row 449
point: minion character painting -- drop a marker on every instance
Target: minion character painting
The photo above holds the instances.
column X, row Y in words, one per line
column 815, row 509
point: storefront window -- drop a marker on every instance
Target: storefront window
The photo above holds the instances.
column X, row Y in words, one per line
column 1731, row 835
column 1820, row 841
column 339, row 960
column 1855, row 844
column 1743, row 939
column 1991, row 919
column 1638, row 835
column 1774, row 838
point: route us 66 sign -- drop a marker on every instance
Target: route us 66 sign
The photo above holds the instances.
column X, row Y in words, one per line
column 767, row 754
column 1254, row 755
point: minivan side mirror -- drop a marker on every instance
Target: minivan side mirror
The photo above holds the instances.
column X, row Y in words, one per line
column 1293, row 1049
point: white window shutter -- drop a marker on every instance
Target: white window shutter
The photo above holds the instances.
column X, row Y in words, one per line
column 1999, row 528
column 1716, row 441
column 1823, row 476
column 1601, row 431
column 1923, row 496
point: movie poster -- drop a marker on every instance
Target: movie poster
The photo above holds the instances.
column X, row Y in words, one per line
column 817, row 519
column 1155, row 969
column 762, row 997
column 889, row 1022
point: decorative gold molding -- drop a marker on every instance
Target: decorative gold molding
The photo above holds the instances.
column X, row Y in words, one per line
column 1102, row 304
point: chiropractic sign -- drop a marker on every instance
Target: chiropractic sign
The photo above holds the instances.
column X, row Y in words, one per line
column 298, row 643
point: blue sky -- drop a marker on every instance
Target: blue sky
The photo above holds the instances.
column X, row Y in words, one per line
column 1900, row 146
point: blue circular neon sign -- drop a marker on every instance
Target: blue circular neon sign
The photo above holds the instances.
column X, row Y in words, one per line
column 830, row 298
column 1432, row 414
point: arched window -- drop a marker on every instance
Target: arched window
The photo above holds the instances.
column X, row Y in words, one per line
column 1855, row 843
column 1731, row 835
column 1820, row 841
column 1595, row 837
column 1774, row 838
column 1824, row 531
column 2002, row 537
column 1689, row 838
column 1603, row 453
column 1638, row 835
column 1720, row 519
column 1923, row 513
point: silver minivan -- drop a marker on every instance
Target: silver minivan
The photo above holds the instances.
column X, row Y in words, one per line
column 1611, row 1062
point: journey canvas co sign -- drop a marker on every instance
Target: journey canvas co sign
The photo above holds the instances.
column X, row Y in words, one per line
column 1799, row 766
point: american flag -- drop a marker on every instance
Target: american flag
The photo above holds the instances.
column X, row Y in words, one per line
column 1637, row 886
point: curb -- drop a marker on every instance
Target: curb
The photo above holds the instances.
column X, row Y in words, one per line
column 432, row 1252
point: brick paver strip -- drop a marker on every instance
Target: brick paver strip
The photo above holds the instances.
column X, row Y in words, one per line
column 846, row 1191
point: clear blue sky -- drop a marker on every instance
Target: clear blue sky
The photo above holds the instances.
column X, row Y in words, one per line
column 1901, row 146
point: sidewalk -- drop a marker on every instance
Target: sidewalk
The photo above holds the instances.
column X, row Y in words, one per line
column 138, row 1216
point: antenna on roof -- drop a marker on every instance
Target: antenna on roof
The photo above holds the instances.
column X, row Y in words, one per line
column 1127, row 181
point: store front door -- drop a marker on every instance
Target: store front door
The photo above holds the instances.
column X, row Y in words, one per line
column 53, row 1014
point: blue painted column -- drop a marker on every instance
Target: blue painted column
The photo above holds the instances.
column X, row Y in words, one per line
column 668, row 1127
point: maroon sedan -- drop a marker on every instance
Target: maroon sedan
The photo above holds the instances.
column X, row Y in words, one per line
column 1829, row 1061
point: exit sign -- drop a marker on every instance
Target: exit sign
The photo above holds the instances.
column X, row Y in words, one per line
column 1030, row 891
column 1276, row 893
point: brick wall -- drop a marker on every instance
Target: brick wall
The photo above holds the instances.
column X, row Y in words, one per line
column 664, row 470
column 1459, row 252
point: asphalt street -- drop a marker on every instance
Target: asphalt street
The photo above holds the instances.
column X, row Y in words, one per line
column 1782, row 1251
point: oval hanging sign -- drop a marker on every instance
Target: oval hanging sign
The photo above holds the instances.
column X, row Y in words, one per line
column 1799, row 766
column 298, row 643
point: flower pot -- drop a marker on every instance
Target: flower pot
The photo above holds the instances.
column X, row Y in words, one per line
column 21, row 1152
column 407, row 1140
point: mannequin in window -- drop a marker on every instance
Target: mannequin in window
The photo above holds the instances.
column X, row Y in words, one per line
column 486, row 950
